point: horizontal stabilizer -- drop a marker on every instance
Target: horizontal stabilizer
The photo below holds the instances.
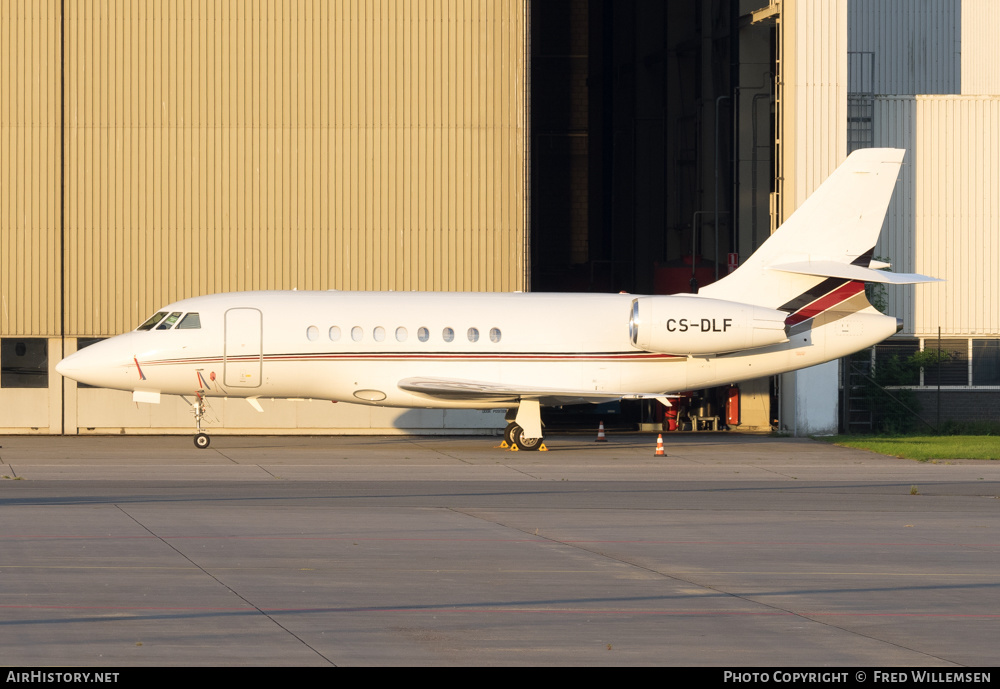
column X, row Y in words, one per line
column 849, row 271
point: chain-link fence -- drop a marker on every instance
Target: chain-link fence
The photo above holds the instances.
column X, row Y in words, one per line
column 907, row 384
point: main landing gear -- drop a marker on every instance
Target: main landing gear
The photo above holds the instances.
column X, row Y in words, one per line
column 526, row 415
column 514, row 435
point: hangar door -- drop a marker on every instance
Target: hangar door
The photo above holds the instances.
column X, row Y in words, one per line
column 244, row 348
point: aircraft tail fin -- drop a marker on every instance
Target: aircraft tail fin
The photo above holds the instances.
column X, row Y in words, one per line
column 822, row 255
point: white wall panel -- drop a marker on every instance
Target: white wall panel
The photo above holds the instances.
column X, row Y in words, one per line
column 814, row 95
column 957, row 214
column 980, row 47
column 944, row 219
column 813, row 142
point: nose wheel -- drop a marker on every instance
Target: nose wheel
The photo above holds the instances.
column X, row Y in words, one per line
column 202, row 441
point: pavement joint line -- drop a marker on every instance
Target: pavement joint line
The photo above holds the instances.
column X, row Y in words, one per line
column 229, row 588
column 775, row 609
column 675, row 576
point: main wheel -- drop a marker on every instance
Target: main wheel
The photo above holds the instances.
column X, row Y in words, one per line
column 202, row 441
column 508, row 433
column 517, row 438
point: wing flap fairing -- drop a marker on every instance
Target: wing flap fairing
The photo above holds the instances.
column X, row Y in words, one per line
column 502, row 394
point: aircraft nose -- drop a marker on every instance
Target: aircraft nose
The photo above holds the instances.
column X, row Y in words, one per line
column 71, row 365
column 62, row 368
column 103, row 364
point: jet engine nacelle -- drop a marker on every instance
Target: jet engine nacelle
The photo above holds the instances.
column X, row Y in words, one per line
column 691, row 325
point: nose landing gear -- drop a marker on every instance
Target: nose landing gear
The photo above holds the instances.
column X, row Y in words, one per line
column 201, row 440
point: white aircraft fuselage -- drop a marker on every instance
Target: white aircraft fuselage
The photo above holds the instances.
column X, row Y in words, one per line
column 360, row 347
column 797, row 301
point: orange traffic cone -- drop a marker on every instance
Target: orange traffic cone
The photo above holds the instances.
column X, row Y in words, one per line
column 600, row 434
column 659, row 447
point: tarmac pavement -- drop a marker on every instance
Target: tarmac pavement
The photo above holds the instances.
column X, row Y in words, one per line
column 731, row 551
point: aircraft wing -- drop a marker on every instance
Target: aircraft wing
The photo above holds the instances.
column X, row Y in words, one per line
column 472, row 390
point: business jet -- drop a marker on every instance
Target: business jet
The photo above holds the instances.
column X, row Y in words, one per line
column 799, row 300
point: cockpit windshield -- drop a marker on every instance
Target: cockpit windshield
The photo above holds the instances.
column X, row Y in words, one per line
column 161, row 321
column 191, row 321
column 169, row 321
column 153, row 320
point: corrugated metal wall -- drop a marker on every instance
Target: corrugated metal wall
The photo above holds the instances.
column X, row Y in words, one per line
column 29, row 167
column 228, row 145
column 814, row 96
column 980, row 47
column 812, row 143
column 944, row 219
column 918, row 45
column 958, row 214
column 929, row 47
column 894, row 126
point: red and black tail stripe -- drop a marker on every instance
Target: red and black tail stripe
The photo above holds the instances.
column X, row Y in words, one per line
column 865, row 259
column 811, row 296
column 825, row 295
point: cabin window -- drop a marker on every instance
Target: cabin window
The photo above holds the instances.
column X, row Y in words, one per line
column 448, row 334
column 473, row 334
column 169, row 321
column 400, row 334
column 334, row 333
column 24, row 362
column 494, row 334
column 312, row 332
column 357, row 333
column 378, row 333
column 191, row 321
column 423, row 334
column 153, row 320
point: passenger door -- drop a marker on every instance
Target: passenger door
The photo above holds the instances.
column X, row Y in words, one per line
column 244, row 352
